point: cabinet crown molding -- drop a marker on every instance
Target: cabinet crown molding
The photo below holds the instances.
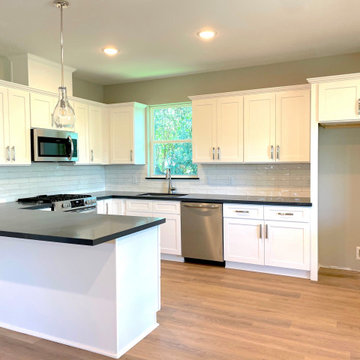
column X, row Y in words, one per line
column 332, row 78
column 251, row 92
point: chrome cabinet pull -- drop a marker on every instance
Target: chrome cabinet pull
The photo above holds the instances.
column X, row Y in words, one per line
column 242, row 211
column 13, row 153
column 131, row 155
column 285, row 214
column 278, row 152
column 266, row 231
column 107, row 209
column 213, row 153
column 260, row 231
column 272, row 152
column 219, row 153
column 358, row 107
column 8, row 153
column 92, row 155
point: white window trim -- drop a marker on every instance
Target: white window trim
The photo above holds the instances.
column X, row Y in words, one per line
column 151, row 141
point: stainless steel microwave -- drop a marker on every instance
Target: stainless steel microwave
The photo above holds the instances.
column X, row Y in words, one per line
column 53, row 145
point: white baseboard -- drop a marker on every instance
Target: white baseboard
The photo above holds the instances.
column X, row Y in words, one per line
column 304, row 274
column 125, row 349
column 172, row 257
column 81, row 346
column 338, row 268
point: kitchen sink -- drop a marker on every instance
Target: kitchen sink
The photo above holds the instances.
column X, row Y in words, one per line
column 162, row 194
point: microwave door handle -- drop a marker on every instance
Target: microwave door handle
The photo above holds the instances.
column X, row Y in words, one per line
column 71, row 147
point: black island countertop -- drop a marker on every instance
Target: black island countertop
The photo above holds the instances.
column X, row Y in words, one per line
column 29, row 222
column 212, row 198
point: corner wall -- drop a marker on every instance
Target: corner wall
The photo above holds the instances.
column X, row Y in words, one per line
column 339, row 197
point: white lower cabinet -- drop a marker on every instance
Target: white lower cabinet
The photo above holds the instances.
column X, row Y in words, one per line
column 111, row 207
column 281, row 238
column 243, row 241
column 288, row 245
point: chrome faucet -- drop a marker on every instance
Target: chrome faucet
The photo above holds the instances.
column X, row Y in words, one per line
column 171, row 188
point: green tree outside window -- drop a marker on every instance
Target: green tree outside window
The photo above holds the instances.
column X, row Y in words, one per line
column 171, row 136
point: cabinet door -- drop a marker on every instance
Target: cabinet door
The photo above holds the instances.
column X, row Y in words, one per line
column 230, row 130
column 259, row 128
column 287, row 245
column 243, row 241
column 117, row 207
column 293, row 126
column 82, row 129
column 338, row 101
column 122, row 135
column 42, row 107
column 170, row 234
column 138, row 206
column 204, row 130
column 4, row 121
column 96, row 135
column 104, row 207
column 19, row 126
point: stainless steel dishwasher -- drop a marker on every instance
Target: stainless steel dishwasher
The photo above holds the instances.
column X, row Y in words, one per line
column 202, row 231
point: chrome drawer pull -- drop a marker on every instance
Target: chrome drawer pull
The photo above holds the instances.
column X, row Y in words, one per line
column 285, row 214
column 242, row 211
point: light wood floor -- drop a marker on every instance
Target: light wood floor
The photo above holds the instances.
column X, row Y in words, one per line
column 220, row 314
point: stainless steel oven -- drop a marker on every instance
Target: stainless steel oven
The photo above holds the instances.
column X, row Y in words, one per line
column 53, row 145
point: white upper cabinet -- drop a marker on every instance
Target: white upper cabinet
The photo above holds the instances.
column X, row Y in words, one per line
column 339, row 101
column 218, row 130
column 127, row 133
column 42, row 107
column 293, row 126
column 259, row 128
column 4, row 120
column 82, row 129
column 18, row 128
column 203, row 130
column 230, row 129
column 96, row 134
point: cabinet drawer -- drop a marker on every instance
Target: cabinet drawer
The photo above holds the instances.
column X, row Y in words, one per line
column 286, row 213
column 139, row 205
column 167, row 207
column 243, row 211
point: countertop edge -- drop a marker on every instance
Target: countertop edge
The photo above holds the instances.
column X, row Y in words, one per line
column 217, row 201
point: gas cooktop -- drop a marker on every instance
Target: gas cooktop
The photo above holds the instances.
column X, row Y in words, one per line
column 49, row 199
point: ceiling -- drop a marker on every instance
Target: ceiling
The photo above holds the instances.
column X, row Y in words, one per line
column 157, row 38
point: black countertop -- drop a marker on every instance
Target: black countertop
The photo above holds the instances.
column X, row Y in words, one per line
column 213, row 198
column 28, row 222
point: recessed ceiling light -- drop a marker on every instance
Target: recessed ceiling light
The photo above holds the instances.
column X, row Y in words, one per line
column 110, row 51
column 207, row 34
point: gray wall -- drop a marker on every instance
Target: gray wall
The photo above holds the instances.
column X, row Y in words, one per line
column 87, row 90
column 339, row 197
column 5, row 68
column 177, row 89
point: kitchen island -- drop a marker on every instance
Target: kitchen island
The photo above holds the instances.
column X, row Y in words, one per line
column 88, row 281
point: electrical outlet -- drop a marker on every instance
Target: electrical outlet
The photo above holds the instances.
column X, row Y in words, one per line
column 358, row 253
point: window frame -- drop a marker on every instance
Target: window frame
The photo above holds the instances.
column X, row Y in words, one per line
column 151, row 141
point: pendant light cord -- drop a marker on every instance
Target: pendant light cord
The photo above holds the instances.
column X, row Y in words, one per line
column 62, row 44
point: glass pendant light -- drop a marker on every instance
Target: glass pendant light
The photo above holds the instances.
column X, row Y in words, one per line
column 63, row 115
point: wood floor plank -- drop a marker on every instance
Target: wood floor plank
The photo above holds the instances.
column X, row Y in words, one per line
column 214, row 313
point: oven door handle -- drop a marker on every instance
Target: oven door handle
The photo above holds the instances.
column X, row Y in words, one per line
column 71, row 148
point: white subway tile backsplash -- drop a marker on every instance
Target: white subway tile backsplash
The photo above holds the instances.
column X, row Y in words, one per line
column 267, row 180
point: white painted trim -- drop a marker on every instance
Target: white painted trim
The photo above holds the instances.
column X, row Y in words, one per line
column 133, row 103
column 333, row 78
column 169, row 257
column 304, row 274
column 251, row 91
column 60, row 340
column 338, row 268
column 136, row 340
column 314, row 184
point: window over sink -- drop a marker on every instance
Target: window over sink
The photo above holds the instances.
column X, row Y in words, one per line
column 170, row 145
